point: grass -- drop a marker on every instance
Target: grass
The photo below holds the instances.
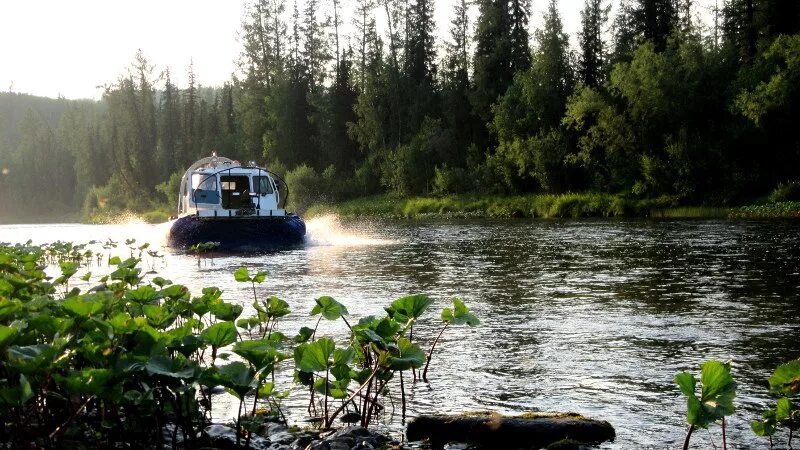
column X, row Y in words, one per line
column 691, row 212
column 778, row 210
column 547, row 206
column 107, row 216
column 572, row 205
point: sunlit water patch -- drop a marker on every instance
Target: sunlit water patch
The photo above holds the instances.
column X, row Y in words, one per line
column 588, row 316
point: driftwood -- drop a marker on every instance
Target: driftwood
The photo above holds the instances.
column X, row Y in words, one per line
column 530, row 431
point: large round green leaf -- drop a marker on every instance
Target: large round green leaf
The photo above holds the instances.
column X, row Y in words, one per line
column 316, row 355
column 220, row 335
column 459, row 315
column 410, row 307
column 405, row 356
column 329, row 308
column 172, row 367
column 786, row 379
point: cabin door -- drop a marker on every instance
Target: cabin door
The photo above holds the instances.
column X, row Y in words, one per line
column 235, row 191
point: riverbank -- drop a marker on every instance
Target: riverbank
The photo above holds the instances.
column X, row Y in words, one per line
column 547, row 206
column 542, row 206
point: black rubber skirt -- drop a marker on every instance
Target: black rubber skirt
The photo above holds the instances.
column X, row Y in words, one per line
column 250, row 233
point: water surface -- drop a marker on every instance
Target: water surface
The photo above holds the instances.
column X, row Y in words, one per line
column 589, row 316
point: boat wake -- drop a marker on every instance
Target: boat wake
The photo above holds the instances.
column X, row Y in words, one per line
column 328, row 231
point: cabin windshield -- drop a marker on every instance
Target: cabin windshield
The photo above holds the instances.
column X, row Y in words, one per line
column 263, row 185
column 204, row 189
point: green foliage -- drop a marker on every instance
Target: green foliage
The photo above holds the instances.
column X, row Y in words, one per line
column 152, row 350
column 785, row 383
column 717, row 391
column 459, row 315
column 329, row 308
column 786, row 192
column 786, row 379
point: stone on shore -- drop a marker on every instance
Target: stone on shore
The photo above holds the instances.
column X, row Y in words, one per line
column 530, row 431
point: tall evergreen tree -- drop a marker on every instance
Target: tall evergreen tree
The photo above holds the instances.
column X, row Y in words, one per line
column 624, row 31
column 492, row 67
column 170, row 150
column 655, row 20
column 190, row 140
column 593, row 53
column 420, row 51
column 455, row 86
column 364, row 25
column 520, row 40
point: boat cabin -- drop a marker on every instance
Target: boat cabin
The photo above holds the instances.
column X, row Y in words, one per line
column 220, row 187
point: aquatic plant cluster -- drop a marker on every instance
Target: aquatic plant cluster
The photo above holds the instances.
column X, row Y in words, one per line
column 136, row 358
column 718, row 390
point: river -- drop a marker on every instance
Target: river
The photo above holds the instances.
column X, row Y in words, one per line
column 591, row 316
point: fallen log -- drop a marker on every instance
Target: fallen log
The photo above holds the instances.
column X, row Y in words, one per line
column 529, row 431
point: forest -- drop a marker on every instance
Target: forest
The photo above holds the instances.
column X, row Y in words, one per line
column 652, row 102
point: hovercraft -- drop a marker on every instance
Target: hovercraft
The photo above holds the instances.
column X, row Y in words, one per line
column 234, row 206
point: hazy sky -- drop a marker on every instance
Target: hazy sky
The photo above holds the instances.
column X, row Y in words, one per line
column 52, row 47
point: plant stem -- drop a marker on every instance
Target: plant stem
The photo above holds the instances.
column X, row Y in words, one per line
column 430, row 352
column 327, row 371
column 688, row 436
column 724, row 441
column 239, row 422
column 255, row 400
column 402, row 397
column 352, row 396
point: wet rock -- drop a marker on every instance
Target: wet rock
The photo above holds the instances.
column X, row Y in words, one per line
column 282, row 437
column 277, row 446
column 354, row 432
column 340, row 444
column 223, row 436
column 351, row 417
column 318, row 445
column 302, row 441
column 496, row 431
column 270, row 428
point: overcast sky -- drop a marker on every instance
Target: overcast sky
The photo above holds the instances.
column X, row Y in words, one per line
column 70, row 48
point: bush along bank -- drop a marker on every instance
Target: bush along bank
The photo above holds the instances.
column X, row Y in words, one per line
column 546, row 206
column 142, row 361
column 573, row 205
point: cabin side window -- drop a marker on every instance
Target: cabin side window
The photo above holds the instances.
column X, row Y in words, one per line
column 264, row 185
column 204, row 188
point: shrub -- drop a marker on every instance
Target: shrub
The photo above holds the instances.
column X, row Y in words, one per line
column 304, row 187
column 786, row 192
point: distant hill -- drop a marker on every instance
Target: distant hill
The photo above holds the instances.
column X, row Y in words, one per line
column 14, row 106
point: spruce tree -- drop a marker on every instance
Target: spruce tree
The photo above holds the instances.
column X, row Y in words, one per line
column 655, row 20
column 592, row 58
column 520, row 40
column 492, row 68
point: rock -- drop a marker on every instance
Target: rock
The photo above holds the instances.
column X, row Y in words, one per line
column 318, row 445
column 277, row 446
column 351, row 417
column 340, row 444
column 364, row 445
column 282, row 437
column 225, row 437
column 496, row 431
column 302, row 441
column 354, row 432
column 271, row 428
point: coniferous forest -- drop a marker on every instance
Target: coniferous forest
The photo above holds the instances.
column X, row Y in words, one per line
column 652, row 102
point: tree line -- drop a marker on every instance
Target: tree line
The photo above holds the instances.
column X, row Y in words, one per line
column 650, row 103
